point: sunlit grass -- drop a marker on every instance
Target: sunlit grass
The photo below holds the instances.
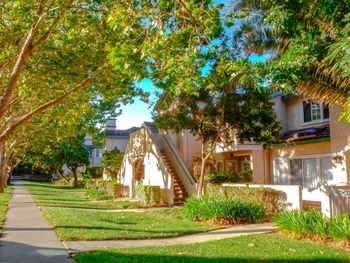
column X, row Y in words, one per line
column 47, row 194
column 4, row 200
column 252, row 248
column 97, row 225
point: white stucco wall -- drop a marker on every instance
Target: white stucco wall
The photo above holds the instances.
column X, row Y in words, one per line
column 141, row 145
column 293, row 192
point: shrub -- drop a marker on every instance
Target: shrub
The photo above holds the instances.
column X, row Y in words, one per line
column 339, row 227
column 94, row 172
column 223, row 177
column 115, row 189
column 247, row 172
column 273, row 200
column 303, row 223
column 98, row 194
column 225, row 210
column 62, row 181
column 149, row 194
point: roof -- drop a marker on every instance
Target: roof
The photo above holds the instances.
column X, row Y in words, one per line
column 151, row 126
column 306, row 134
column 124, row 134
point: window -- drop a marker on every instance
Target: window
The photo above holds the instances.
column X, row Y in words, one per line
column 313, row 111
column 311, row 172
column 280, row 171
column 97, row 153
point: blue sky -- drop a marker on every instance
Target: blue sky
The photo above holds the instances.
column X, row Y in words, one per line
column 138, row 112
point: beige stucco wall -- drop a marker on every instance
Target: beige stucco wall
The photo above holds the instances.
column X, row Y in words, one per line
column 258, row 167
column 340, row 131
column 281, row 111
column 187, row 145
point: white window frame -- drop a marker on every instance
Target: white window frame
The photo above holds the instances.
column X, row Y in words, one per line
column 304, row 123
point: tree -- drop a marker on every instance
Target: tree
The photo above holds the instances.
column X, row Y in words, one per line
column 112, row 161
column 73, row 154
column 311, row 47
column 55, row 50
column 232, row 113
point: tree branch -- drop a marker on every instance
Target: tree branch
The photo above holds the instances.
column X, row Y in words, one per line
column 27, row 117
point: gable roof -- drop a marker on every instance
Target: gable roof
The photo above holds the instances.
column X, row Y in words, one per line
column 151, row 126
column 123, row 134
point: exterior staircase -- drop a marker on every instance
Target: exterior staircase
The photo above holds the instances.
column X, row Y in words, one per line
column 180, row 193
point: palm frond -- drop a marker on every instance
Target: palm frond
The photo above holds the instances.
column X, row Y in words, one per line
column 321, row 92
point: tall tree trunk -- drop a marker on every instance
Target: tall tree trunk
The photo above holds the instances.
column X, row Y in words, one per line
column 75, row 176
column 202, row 173
column 9, row 174
column 3, row 179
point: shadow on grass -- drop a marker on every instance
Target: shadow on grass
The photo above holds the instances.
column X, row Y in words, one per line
column 108, row 257
column 49, row 185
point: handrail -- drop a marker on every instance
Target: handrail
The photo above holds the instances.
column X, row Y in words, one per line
column 179, row 159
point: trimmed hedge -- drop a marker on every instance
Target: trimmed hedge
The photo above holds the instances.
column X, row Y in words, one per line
column 223, row 177
column 274, row 201
column 229, row 211
column 149, row 194
column 312, row 224
column 110, row 187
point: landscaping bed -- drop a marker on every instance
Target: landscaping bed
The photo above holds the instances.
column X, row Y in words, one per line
column 252, row 248
column 312, row 225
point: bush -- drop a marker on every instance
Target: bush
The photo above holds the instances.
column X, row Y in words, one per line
column 98, row 194
column 115, row 189
column 223, row 177
column 94, row 172
column 303, row 223
column 62, row 181
column 223, row 210
column 273, row 200
column 149, row 194
column 339, row 227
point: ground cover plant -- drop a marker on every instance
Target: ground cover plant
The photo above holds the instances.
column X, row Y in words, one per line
column 223, row 210
column 47, row 194
column 4, row 200
column 312, row 224
column 252, row 248
column 98, row 225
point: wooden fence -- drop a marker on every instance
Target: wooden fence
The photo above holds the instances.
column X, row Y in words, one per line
column 339, row 197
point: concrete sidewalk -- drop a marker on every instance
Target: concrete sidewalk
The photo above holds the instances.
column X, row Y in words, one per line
column 27, row 236
column 78, row 246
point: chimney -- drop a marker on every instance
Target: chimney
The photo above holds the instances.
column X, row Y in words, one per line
column 111, row 124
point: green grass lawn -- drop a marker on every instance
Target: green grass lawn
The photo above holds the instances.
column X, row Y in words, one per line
column 4, row 199
column 47, row 194
column 97, row 225
column 252, row 248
